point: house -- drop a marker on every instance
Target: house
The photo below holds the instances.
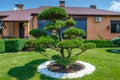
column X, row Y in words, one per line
column 95, row 22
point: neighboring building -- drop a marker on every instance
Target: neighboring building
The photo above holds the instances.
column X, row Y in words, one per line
column 96, row 22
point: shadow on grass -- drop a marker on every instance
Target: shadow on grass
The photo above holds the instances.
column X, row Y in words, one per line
column 43, row 77
column 113, row 51
column 27, row 71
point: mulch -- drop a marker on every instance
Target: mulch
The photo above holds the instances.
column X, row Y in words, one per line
column 54, row 67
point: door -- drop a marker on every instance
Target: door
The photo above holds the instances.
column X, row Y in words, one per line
column 21, row 30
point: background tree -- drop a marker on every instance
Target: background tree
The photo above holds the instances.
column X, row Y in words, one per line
column 71, row 39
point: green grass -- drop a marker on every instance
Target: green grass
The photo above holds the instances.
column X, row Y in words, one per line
column 23, row 65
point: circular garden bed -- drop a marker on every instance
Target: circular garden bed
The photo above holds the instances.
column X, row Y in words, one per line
column 75, row 70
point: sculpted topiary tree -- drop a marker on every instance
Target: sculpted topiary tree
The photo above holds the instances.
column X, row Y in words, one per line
column 64, row 40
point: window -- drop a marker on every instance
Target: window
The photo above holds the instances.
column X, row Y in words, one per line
column 115, row 26
column 81, row 23
column 42, row 24
column 0, row 31
column 0, row 27
column 0, row 24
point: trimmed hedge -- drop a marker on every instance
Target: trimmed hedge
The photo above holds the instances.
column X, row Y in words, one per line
column 2, row 46
column 14, row 45
column 30, row 44
column 102, row 43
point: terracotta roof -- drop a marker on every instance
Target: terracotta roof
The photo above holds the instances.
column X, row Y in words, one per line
column 18, row 15
column 25, row 15
column 85, row 11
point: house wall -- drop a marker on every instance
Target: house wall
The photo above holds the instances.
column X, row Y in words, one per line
column 35, row 22
column 11, row 29
column 95, row 29
column 26, row 30
column 0, row 36
column 16, row 29
column 6, row 29
column 30, row 26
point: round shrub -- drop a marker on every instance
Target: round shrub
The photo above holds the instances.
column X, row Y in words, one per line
column 37, row 33
column 45, row 40
column 70, row 23
column 69, row 44
column 116, row 40
column 53, row 14
column 88, row 46
column 73, row 33
column 30, row 44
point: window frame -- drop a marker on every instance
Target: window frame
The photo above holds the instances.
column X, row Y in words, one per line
column 0, row 27
column 115, row 26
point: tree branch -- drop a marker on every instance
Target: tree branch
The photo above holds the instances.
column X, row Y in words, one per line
column 81, row 52
column 69, row 52
column 57, row 49
column 59, row 34
column 45, row 54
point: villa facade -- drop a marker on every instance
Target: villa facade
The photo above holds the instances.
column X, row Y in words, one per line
column 95, row 22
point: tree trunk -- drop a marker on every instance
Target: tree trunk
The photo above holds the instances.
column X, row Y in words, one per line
column 60, row 35
column 60, row 39
column 62, row 52
column 69, row 53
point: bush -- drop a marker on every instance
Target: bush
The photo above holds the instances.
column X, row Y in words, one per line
column 30, row 44
column 70, row 23
column 14, row 45
column 73, row 33
column 102, row 43
column 37, row 33
column 116, row 40
column 88, row 46
column 64, row 61
column 45, row 40
column 66, row 44
column 2, row 46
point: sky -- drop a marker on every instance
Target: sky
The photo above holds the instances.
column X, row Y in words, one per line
column 112, row 5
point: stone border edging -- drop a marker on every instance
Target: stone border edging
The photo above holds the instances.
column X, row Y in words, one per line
column 89, row 69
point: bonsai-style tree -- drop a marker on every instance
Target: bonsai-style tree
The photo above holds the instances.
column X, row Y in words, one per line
column 65, row 40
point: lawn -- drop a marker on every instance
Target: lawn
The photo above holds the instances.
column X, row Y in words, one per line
column 23, row 65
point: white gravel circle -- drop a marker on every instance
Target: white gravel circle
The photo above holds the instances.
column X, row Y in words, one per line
column 89, row 69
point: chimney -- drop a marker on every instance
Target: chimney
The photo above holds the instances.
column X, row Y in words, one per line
column 19, row 7
column 62, row 3
column 93, row 6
